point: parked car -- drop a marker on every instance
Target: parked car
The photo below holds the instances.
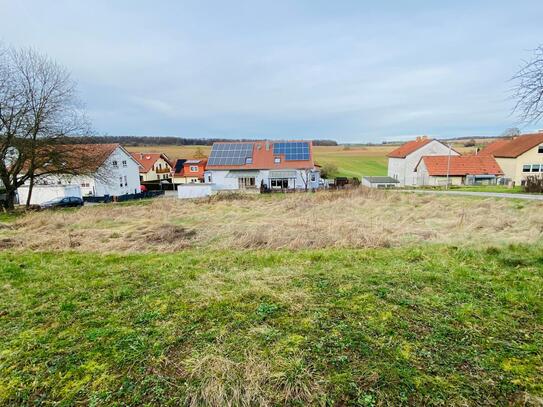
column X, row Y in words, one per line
column 67, row 202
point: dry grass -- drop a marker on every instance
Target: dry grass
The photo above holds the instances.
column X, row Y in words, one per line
column 357, row 218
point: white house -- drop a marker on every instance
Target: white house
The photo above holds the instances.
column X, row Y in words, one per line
column 403, row 160
column 110, row 170
column 274, row 165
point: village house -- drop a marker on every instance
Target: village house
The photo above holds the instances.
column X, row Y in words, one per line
column 271, row 165
column 189, row 171
column 403, row 160
column 457, row 170
column 155, row 168
column 519, row 157
column 109, row 170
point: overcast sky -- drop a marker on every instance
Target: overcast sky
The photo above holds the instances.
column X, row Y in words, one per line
column 353, row 71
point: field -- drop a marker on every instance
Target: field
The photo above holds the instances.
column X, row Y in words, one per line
column 396, row 299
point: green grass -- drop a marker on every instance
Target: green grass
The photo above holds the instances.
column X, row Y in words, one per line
column 433, row 325
column 354, row 165
column 491, row 188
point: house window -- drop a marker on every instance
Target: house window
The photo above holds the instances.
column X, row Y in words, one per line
column 279, row 183
column 125, row 181
column 115, row 164
column 526, row 168
column 540, row 149
column 121, row 181
column 209, row 178
column 313, row 177
column 246, row 182
column 249, row 160
column 277, row 160
column 193, row 168
column 535, row 167
column 124, row 163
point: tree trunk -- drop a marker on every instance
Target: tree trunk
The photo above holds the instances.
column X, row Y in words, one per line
column 30, row 188
column 9, row 204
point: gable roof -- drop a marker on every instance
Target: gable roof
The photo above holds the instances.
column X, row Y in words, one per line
column 407, row 148
column 437, row 165
column 263, row 156
column 490, row 148
column 181, row 166
column 518, row 146
column 148, row 160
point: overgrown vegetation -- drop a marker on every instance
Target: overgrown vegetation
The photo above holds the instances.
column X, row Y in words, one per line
column 419, row 326
column 533, row 184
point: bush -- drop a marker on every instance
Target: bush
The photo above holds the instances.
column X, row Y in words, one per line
column 533, row 184
column 328, row 170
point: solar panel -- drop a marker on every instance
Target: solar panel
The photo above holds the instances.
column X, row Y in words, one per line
column 230, row 153
column 179, row 165
column 293, row 151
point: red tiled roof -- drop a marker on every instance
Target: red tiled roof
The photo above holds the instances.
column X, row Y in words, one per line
column 461, row 165
column 264, row 158
column 405, row 149
column 519, row 145
column 493, row 146
column 148, row 160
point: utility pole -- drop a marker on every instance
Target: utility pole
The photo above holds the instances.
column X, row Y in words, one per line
column 448, row 166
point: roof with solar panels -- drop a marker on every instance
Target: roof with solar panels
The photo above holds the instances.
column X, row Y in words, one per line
column 261, row 155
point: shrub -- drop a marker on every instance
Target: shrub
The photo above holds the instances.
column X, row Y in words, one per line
column 533, row 183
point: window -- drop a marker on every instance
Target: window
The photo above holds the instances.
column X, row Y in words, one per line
column 540, row 149
column 313, row 177
column 249, row 160
column 277, row 160
column 121, row 181
column 85, row 185
column 125, row 181
column 124, row 163
column 193, row 168
column 526, row 168
column 535, row 167
column 246, row 182
column 279, row 183
column 209, row 178
column 115, row 164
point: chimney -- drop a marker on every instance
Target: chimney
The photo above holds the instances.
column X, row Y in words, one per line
column 141, row 156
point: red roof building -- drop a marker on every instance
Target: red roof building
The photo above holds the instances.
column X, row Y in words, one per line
column 154, row 167
column 189, row 171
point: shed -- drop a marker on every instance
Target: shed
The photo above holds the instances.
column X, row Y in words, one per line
column 380, row 182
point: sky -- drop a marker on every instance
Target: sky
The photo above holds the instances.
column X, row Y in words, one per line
column 348, row 70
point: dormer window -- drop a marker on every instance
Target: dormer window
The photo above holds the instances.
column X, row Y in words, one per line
column 249, row 160
column 277, row 160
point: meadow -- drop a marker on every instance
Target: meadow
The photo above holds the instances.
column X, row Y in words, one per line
column 251, row 300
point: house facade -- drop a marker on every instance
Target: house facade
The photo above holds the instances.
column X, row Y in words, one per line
column 272, row 165
column 519, row 157
column 403, row 160
column 154, row 167
column 457, row 170
column 113, row 173
column 189, row 171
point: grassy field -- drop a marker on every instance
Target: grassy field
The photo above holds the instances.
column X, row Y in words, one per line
column 362, row 298
column 432, row 326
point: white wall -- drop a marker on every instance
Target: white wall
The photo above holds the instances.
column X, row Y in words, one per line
column 188, row 191
column 218, row 177
column 403, row 169
column 44, row 193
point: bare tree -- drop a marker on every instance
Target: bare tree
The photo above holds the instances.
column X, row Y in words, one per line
column 38, row 110
column 511, row 132
column 528, row 90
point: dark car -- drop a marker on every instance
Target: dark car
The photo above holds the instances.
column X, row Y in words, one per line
column 67, row 202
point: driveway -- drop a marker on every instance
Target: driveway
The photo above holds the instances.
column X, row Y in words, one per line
column 532, row 197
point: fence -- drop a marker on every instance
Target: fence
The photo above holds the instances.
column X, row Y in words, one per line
column 122, row 198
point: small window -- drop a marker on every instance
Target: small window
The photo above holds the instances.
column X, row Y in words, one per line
column 526, row 168
column 313, row 177
column 121, row 181
column 124, row 163
column 193, row 168
column 540, row 149
column 535, row 167
column 115, row 164
column 125, row 181
column 249, row 160
column 277, row 160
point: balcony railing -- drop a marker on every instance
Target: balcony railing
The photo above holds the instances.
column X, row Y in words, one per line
column 162, row 170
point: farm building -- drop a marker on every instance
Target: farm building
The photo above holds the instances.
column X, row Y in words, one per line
column 403, row 160
column 155, row 168
column 380, row 182
column 273, row 165
column 189, row 171
column 111, row 171
column 458, row 170
column 519, row 157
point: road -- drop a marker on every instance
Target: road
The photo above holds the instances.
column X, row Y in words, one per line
column 532, row 197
